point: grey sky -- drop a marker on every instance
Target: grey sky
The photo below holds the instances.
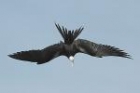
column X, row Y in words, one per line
column 29, row 24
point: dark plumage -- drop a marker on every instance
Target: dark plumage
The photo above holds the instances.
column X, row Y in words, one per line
column 69, row 48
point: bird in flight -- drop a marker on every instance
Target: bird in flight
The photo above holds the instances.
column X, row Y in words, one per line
column 69, row 48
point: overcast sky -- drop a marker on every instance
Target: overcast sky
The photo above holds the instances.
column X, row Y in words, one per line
column 29, row 24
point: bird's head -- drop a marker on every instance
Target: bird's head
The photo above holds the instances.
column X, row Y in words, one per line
column 71, row 58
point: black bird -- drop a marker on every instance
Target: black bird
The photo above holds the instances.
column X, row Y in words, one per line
column 69, row 48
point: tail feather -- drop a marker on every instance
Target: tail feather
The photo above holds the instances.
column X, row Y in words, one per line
column 77, row 32
column 68, row 35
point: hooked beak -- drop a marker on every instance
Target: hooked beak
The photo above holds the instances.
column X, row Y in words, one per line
column 71, row 58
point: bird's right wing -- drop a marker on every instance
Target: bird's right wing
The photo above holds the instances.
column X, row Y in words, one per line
column 98, row 50
column 40, row 56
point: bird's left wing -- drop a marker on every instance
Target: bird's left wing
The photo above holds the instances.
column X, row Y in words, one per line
column 98, row 50
column 40, row 56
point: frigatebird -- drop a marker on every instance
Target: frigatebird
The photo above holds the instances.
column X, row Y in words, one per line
column 69, row 47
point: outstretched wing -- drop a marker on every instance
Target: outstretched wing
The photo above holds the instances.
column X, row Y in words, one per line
column 40, row 56
column 98, row 50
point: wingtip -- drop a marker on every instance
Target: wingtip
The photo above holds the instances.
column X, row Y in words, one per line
column 11, row 55
column 129, row 57
column 126, row 55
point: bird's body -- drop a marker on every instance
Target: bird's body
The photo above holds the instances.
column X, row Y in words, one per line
column 69, row 48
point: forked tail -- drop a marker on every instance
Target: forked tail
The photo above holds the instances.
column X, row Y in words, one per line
column 68, row 35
